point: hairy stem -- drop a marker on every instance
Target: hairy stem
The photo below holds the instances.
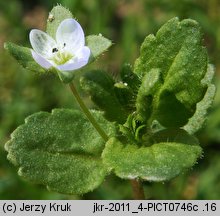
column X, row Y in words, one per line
column 87, row 113
column 138, row 190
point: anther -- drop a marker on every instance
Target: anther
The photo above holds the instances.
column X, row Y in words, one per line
column 54, row 50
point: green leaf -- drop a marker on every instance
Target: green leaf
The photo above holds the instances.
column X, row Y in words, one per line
column 97, row 45
column 100, row 86
column 161, row 161
column 125, row 96
column 177, row 54
column 60, row 150
column 197, row 121
column 126, row 89
column 23, row 56
column 56, row 16
column 128, row 76
column 174, row 135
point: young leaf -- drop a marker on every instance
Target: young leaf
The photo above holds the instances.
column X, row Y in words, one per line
column 176, row 52
column 60, row 150
column 161, row 161
column 100, row 86
column 23, row 56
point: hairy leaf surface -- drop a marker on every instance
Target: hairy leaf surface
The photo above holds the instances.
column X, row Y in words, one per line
column 171, row 154
column 176, row 57
column 23, row 56
column 60, row 150
column 100, row 86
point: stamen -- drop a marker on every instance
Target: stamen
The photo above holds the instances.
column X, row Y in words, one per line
column 61, row 57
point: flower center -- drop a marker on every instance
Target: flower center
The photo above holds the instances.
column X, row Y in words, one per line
column 61, row 56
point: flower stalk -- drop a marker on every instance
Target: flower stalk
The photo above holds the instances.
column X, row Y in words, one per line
column 87, row 112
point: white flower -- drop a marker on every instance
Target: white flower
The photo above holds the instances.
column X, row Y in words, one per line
column 68, row 52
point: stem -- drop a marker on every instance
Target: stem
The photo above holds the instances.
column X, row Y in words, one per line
column 138, row 190
column 87, row 113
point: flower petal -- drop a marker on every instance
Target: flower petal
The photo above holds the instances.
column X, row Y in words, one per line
column 70, row 35
column 41, row 60
column 42, row 43
column 82, row 59
column 83, row 53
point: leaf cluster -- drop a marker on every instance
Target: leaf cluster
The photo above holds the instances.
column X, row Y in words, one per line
column 150, row 115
